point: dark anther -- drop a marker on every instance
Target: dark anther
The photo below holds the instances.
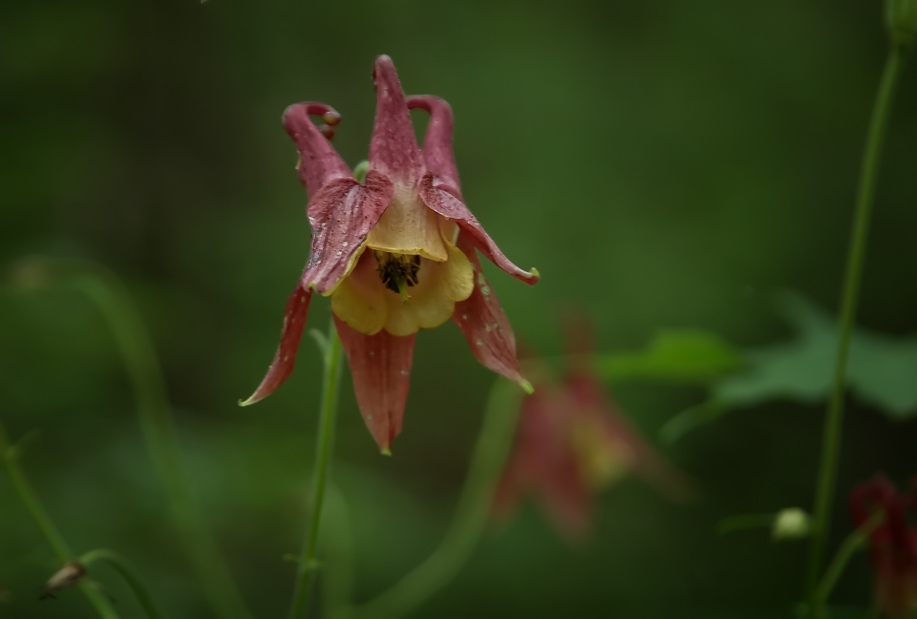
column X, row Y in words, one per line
column 331, row 118
column 397, row 270
column 327, row 131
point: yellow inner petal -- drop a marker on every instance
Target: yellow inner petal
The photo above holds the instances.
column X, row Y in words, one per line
column 408, row 226
column 382, row 288
column 359, row 298
column 432, row 301
column 449, row 229
column 364, row 302
column 458, row 279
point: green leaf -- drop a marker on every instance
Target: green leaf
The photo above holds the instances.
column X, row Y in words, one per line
column 883, row 373
column 687, row 355
column 882, row 370
column 798, row 370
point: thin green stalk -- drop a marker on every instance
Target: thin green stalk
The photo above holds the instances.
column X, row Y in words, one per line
column 337, row 548
column 745, row 521
column 854, row 542
column 831, row 440
column 55, row 541
column 307, row 563
column 159, row 430
column 129, row 574
column 470, row 518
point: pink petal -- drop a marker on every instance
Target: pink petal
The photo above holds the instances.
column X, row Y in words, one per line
column 381, row 368
column 550, row 468
column 341, row 215
column 566, row 499
column 319, row 162
column 294, row 319
column 485, row 325
column 891, row 544
column 393, row 149
column 451, row 207
column 437, row 143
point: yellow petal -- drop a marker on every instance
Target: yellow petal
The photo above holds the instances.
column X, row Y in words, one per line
column 458, row 279
column 408, row 226
column 359, row 299
column 439, row 286
column 428, row 307
column 449, row 229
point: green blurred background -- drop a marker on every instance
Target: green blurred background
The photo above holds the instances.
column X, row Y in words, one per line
column 662, row 163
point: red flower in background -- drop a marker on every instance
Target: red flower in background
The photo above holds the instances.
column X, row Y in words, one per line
column 572, row 442
column 396, row 254
column 893, row 545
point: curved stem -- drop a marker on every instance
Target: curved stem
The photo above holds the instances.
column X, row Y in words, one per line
column 854, row 542
column 129, row 575
column 307, row 563
column 470, row 518
column 831, row 439
column 159, row 430
column 53, row 538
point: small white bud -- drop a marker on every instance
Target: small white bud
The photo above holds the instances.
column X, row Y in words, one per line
column 790, row 523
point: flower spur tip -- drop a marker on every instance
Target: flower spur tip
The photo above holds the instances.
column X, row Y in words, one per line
column 331, row 118
column 526, row 386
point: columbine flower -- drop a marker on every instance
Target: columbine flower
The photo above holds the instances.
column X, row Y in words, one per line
column 572, row 442
column 396, row 254
column 893, row 545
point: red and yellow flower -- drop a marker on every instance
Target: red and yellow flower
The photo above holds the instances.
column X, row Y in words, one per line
column 396, row 253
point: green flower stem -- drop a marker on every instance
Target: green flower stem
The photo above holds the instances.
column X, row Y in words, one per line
column 745, row 521
column 337, row 548
column 470, row 518
column 307, row 562
column 159, row 430
column 10, row 457
column 854, row 542
column 129, row 574
column 831, row 440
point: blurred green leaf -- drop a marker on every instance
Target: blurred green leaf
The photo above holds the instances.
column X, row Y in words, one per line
column 687, row 355
column 798, row 370
column 882, row 369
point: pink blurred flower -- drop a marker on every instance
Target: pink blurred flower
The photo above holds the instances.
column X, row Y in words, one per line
column 893, row 545
column 396, row 254
column 573, row 442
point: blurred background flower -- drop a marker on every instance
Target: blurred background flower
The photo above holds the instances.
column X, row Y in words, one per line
column 892, row 544
column 573, row 442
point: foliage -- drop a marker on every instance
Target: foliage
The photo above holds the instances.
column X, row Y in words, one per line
column 687, row 355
